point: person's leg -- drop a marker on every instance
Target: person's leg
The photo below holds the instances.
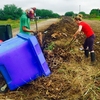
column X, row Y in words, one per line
column 39, row 36
column 92, row 53
column 86, row 50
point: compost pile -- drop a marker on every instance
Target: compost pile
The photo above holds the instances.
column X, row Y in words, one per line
column 72, row 77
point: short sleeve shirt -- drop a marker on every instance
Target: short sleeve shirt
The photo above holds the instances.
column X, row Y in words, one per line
column 86, row 29
column 24, row 21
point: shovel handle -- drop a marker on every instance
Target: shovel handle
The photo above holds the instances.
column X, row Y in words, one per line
column 73, row 39
column 36, row 24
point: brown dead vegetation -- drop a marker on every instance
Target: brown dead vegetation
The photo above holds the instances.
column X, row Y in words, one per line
column 72, row 75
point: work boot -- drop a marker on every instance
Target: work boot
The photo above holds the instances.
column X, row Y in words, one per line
column 86, row 52
column 92, row 54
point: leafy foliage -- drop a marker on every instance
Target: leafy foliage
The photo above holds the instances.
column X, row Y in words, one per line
column 10, row 12
column 13, row 12
column 95, row 12
column 71, row 13
column 43, row 13
column 83, row 13
column 51, row 46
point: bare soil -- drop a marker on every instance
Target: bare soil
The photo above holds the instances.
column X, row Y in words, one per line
column 41, row 26
column 73, row 77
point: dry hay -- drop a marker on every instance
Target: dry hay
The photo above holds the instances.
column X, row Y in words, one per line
column 72, row 76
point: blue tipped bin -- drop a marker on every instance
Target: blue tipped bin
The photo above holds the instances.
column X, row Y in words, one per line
column 22, row 60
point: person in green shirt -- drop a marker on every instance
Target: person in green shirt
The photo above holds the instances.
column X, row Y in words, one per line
column 25, row 24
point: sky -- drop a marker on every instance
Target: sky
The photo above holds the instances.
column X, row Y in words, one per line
column 57, row 6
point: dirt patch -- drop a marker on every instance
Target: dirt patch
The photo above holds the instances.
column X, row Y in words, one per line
column 73, row 77
column 41, row 25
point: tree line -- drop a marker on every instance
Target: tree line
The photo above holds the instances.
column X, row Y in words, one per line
column 93, row 13
column 10, row 12
column 13, row 12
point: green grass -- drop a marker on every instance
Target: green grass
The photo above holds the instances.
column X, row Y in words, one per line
column 15, row 23
column 96, row 18
column 50, row 46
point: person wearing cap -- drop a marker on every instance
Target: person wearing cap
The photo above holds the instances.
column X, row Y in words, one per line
column 25, row 24
column 89, row 41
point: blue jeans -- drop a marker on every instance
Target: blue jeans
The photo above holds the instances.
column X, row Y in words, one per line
column 89, row 43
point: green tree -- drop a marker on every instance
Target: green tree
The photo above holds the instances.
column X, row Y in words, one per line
column 95, row 12
column 83, row 13
column 1, row 14
column 71, row 13
column 10, row 12
column 55, row 15
column 43, row 13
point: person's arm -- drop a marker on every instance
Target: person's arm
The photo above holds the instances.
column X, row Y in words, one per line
column 25, row 29
column 78, row 31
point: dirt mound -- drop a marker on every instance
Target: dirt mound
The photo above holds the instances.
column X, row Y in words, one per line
column 58, row 42
column 72, row 76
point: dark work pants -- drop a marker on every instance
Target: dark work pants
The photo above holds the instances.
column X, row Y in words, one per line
column 89, row 43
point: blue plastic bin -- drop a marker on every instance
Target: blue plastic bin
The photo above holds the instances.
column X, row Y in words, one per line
column 22, row 60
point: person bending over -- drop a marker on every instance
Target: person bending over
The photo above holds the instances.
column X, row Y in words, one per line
column 25, row 24
column 89, row 41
